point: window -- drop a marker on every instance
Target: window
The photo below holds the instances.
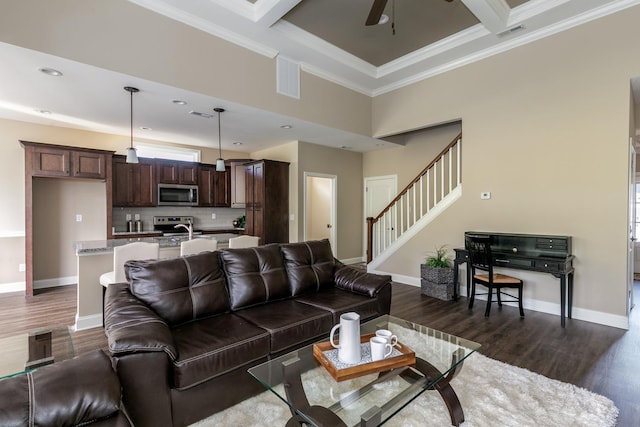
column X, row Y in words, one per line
column 167, row 152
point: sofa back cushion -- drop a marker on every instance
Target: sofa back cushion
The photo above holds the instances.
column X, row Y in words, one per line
column 255, row 275
column 180, row 289
column 310, row 265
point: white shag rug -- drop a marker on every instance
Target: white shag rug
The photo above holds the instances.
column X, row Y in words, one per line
column 492, row 394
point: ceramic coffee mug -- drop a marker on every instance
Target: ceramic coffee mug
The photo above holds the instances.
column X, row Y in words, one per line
column 380, row 348
column 388, row 336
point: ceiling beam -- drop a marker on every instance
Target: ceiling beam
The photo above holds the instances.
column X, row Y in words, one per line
column 494, row 14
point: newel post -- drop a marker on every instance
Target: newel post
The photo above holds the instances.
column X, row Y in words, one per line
column 369, row 239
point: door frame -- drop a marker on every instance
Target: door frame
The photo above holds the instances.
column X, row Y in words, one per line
column 333, row 211
column 631, row 242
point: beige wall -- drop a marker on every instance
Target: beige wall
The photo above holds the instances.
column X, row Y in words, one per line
column 56, row 202
column 347, row 166
column 545, row 129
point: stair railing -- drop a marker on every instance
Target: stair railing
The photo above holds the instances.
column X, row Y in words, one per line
column 418, row 198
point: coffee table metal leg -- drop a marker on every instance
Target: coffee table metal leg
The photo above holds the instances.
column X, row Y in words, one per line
column 443, row 387
column 297, row 398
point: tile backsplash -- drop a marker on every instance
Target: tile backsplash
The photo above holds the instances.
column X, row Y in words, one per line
column 201, row 216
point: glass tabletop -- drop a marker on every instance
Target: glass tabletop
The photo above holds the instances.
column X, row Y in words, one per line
column 386, row 393
column 24, row 352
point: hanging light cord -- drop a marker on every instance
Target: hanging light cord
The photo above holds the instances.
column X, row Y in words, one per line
column 219, row 137
column 131, row 110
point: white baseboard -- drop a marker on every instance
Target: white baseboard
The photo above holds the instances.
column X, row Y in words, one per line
column 13, row 287
column 352, row 260
column 577, row 313
column 88, row 322
column 52, row 283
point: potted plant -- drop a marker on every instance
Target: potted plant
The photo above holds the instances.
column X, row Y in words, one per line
column 436, row 275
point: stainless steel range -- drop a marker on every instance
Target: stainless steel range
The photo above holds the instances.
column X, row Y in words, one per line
column 167, row 225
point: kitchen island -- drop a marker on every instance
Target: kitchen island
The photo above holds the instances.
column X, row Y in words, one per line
column 95, row 257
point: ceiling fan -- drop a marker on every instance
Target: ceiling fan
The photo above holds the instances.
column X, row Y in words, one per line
column 376, row 11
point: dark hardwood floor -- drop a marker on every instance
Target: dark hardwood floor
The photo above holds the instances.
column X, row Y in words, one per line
column 599, row 358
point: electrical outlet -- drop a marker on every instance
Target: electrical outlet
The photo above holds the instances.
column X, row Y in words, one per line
column 486, row 195
column 213, row 215
column 128, row 217
column 292, row 217
column 22, row 268
column 137, row 217
column 78, row 218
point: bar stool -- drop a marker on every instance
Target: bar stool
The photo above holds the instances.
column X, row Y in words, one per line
column 244, row 242
column 195, row 246
column 122, row 254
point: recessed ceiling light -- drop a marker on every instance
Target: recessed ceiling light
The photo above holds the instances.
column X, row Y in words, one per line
column 286, row 126
column 145, row 128
column 199, row 114
column 237, row 143
column 50, row 71
column 179, row 102
column 43, row 111
column 345, row 147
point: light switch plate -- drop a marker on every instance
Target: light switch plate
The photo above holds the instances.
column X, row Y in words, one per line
column 485, row 195
column 213, row 215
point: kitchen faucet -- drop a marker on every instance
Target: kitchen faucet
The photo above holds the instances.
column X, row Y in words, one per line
column 189, row 228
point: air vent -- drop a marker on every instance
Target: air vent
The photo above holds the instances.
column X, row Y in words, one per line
column 199, row 114
column 511, row 30
column 288, row 77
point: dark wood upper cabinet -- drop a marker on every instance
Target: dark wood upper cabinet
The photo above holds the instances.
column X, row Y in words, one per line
column 267, row 200
column 61, row 161
column 214, row 186
column 134, row 184
column 170, row 172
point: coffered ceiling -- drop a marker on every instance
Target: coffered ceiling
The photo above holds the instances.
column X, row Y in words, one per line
column 328, row 38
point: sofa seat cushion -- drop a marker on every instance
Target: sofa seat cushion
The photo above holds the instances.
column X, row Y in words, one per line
column 255, row 275
column 211, row 347
column 289, row 323
column 338, row 301
column 309, row 265
column 180, row 289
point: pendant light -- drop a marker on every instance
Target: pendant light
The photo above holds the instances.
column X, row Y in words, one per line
column 132, row 157
column 220, row 162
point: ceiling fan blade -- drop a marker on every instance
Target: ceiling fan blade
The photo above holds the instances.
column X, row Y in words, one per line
column 376, row 12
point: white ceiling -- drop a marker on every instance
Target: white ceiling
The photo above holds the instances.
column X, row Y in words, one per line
column 84, row 97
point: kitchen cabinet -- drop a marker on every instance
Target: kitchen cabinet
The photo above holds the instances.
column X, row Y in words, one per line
column 214, row 187
column 267, row 200
column 67, row 162
column 238, row 190
column 134, row 184
column 171, row 172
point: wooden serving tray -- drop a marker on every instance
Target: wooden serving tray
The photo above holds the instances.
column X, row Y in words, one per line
column 408, row 357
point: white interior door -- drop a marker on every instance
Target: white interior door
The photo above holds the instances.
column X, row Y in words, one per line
column 320, row 207
column 379, row 191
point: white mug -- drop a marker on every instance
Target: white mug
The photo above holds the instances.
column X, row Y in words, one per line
column 379, row 347
column 388, row 336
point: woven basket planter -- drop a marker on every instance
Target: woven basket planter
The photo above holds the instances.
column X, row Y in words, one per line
column 436, row 282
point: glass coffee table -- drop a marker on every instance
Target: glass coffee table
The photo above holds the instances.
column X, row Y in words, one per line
column 24, row 352
column 315, row 398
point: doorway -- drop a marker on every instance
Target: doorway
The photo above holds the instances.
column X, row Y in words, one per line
column 379, row 191
column 320, row 207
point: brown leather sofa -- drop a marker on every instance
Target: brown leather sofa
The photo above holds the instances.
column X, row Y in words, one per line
column 184, row 331
column 81, row 391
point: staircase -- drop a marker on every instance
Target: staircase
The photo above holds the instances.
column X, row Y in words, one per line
column 427, row 196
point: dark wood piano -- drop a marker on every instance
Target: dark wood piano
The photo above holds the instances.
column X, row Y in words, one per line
column 532, row 252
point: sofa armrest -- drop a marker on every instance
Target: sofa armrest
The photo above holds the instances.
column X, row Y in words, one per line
column 132, row 327
column 360, row 282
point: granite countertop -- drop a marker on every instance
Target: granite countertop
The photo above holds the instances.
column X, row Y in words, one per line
column 91, row 247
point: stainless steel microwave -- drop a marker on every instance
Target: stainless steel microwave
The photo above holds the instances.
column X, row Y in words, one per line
column 177, row 195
